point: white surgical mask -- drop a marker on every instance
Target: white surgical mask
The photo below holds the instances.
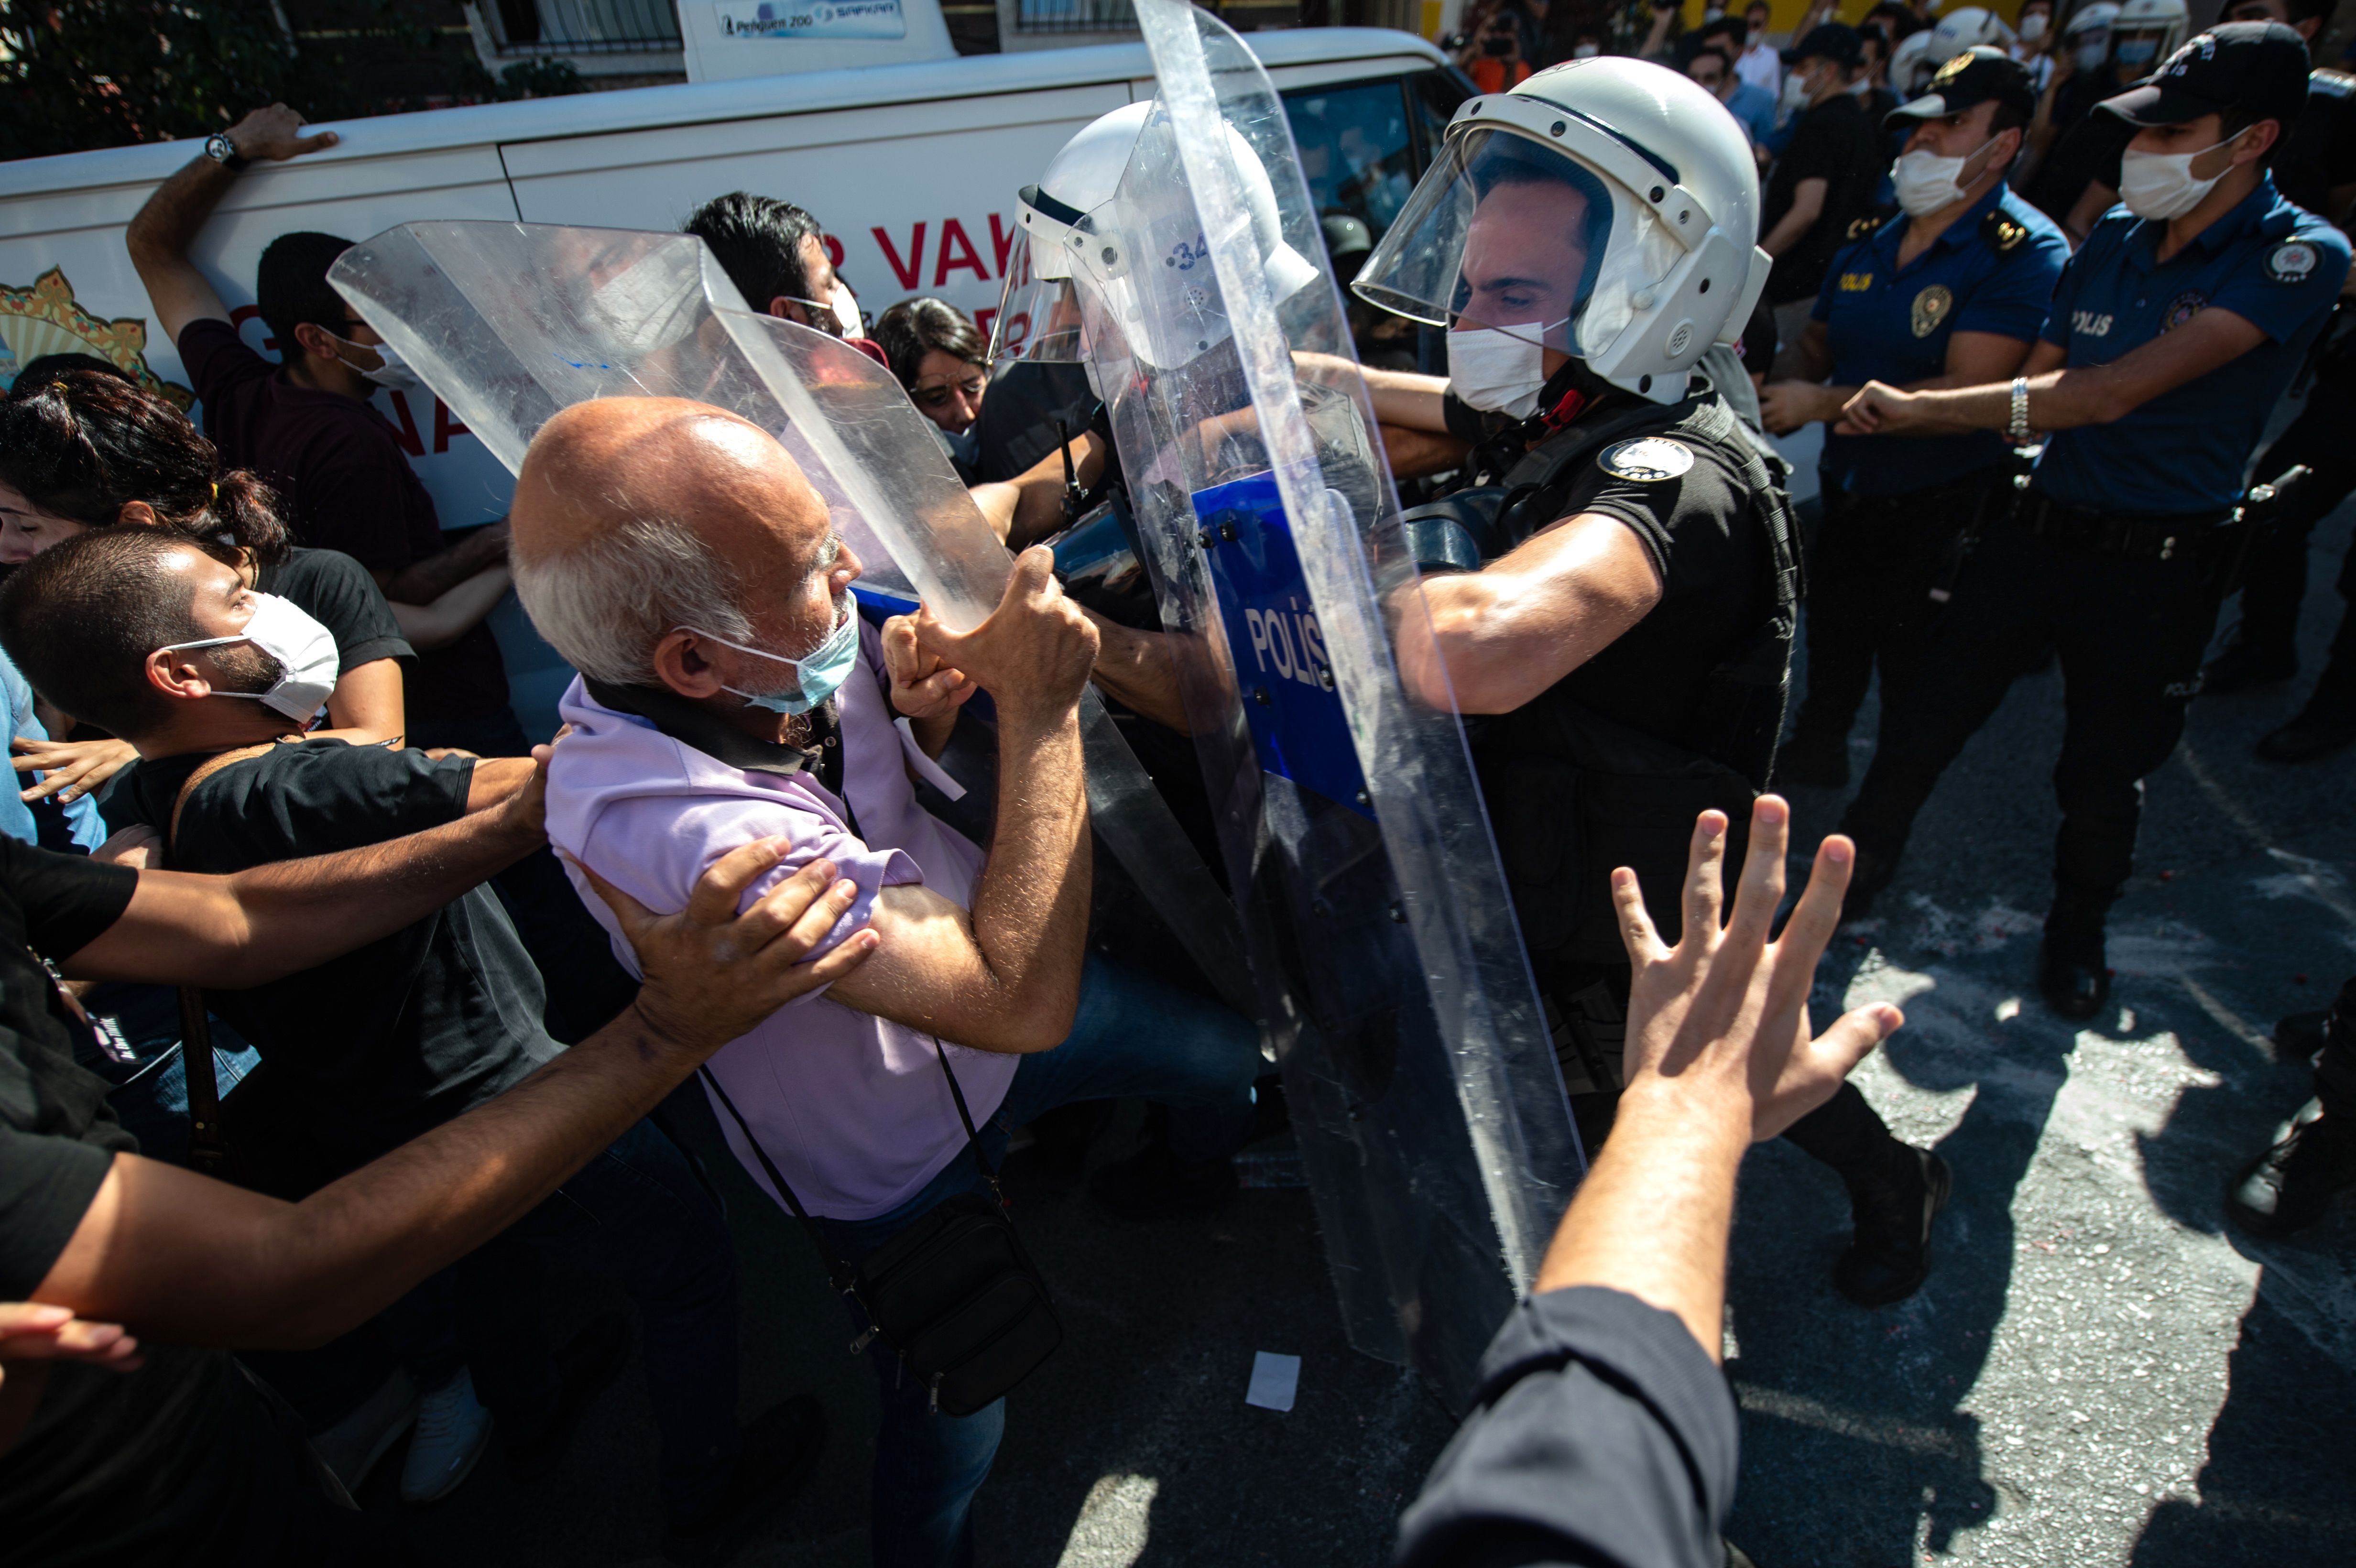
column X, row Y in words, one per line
column 306, row 652
column 1712, row 13
column 2138, row 51
column 2090, row 57
column 1585, row 51
column 1927, row 182
column 2162, row 184
column 818, row 676
column 2032, row 27
column 393, row 371
column 1795, row 90
column 1496, row 371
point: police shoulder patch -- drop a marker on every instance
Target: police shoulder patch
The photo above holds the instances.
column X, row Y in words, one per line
column 2002, row 234
column 2292, row 261
column 1648, row 460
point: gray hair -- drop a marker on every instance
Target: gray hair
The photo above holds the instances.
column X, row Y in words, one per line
column 605, row 604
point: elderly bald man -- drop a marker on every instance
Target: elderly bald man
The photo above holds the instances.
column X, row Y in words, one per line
column 729, row 690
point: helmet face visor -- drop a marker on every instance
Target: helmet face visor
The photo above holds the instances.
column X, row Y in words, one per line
column 1038, row 317
column 1506, row 233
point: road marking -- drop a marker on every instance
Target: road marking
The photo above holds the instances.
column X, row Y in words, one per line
column 1111, row 1529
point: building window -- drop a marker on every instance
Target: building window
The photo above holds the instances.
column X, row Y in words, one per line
column 582, row 27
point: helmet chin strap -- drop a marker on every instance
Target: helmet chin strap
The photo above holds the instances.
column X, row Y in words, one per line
column 1571, row 393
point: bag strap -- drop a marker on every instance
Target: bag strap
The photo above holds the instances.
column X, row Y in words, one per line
column 844, row 1277
column 208, row 1152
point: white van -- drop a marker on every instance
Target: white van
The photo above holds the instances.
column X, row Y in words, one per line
column 911, row 167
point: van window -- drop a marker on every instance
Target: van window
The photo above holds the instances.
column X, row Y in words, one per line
column 1355, row 150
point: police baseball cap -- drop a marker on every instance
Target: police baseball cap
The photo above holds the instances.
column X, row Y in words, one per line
column 2257, row 67
column 1976, row 76
column 1834, row 41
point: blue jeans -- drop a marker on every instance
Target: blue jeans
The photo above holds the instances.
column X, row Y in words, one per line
column 1132, row 1036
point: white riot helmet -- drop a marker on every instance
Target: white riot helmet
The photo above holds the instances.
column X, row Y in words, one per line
column 1606, row 208
column 2147, row 32
column 1079, row 229
column 1908, row 67
column 2087, row 33
column 1959, row 30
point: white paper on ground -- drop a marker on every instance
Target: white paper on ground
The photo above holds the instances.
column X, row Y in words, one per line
column 931, row 772
column 1274, row 1380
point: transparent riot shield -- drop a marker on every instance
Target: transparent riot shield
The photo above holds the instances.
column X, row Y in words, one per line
column 510, row 323
column 1424, row 1087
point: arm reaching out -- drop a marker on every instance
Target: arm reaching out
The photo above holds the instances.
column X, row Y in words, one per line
column 1719, row 1055
column 182, row 1257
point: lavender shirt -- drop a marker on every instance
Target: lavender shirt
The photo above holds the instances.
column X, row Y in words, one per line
column 854, row 1110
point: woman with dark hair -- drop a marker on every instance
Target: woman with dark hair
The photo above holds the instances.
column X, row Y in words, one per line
column 90, row 450
column 940, row 358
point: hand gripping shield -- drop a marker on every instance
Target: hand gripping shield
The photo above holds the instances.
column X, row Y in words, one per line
column 510, row 323
column 1424, row 1089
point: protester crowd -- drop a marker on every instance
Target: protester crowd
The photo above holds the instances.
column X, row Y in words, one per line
column 744, row 868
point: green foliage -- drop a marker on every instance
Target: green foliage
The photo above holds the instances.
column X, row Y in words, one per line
column 103, row 73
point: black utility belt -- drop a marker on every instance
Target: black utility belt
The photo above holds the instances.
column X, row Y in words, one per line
column 1969, row 488
column 2136, row 536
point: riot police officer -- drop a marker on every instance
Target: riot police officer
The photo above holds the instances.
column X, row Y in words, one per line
column 1949, row 293
column 1623, row 623
column 2173, row 332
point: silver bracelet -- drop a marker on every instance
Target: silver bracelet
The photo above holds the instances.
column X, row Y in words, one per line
column 2020, row 428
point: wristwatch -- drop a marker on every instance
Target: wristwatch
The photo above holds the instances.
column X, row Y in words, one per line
column 2020, row 428
column 222, row 151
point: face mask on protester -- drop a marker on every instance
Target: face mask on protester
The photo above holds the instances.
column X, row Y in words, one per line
column 1927, row 182
column 2138, row 51
column 818, row 676
column 2032, row 27
column 306, row 652
column 2162, row 184
column 391, row 372
column 2090, row 57
column 1496, row 371
column 1585, row 51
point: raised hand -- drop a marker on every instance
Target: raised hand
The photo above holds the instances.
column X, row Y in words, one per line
column 1720, row 1021
column 1033, row 653
column 922, row 685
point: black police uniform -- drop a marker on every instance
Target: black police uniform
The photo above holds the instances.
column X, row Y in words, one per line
column 1897, row 511
column 1611, row 764
column 2114, row 557
column 2319, row 157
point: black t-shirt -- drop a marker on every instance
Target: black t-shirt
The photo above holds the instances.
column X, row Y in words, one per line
column 2086, row 147
column 1711, row 554
column 2320, row 155
column 104, row 1451
column 370, row 1049
column 350, row 488
column 1834, row 143
column 337, row 592
column 1016, row 428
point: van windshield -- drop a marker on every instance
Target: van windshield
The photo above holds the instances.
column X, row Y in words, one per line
column 1360, row 150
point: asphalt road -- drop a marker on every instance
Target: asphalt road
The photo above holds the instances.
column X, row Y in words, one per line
column 2097, row 1373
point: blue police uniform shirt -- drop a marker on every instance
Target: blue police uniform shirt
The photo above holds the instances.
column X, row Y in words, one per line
column 2276, row 265
column 1890, row 323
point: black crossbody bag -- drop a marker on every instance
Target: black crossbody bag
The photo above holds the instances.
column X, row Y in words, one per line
column 954, row 1294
